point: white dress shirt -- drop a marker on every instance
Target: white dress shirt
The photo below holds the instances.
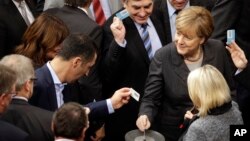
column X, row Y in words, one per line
column 172, row 17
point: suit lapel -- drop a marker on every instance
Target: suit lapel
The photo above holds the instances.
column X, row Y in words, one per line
column 180, row 67
column 16, row 15
column 207, row 54
column 135, row 38
column 158, row 29
column 32, row 8
column 51, row 92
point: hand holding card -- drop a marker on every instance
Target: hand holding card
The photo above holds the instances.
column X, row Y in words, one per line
column 122, row 14
column 135, row 94
column 230, row 36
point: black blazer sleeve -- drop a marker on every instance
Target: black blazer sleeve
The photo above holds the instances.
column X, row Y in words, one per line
column 225, row 14
column 244, row 77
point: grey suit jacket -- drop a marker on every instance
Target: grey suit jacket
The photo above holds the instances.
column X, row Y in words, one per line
column 166, row 98
column 53, row 4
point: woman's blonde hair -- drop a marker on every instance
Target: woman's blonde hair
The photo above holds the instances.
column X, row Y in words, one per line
column 207, row 89
column 195, row 18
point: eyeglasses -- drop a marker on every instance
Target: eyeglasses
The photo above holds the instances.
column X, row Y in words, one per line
column 33, row 79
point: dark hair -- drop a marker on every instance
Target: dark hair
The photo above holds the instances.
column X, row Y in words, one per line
column 78, row 45
column 7, row 79
column 70, row 120
column 76, row 3
column 43, row 35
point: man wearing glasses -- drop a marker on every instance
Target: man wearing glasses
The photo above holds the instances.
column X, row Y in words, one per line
column 7, row 88
column 31, row 119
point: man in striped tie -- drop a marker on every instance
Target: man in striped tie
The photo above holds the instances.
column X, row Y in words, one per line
column 129, row 47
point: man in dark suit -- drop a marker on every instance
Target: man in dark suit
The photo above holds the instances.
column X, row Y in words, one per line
column 233, row 14
column 7, row 81
column 242, row 76
column 33, row 120
column 168, row 9
column 12, row 24
column 126, row 60
column 74, row 15
column 240, row 61
column 77, row 56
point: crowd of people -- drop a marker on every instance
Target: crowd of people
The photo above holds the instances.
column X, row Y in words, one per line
column 65, row 76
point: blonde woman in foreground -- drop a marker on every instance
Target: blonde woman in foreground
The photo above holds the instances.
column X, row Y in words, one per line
column 210, row 95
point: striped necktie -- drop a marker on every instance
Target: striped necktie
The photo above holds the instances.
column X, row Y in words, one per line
column 99, row 14
column 146, row 40
column 24, row 12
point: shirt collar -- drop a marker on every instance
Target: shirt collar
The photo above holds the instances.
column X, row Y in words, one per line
column 54, row 75
column 83, row 9
column 150, row 24
column 20, row 97
column 171, row 9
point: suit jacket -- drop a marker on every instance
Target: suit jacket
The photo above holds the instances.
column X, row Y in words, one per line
column 12, row 133
column 161, row 10
column 33, row 120
column 48, row 4
column 166, row 98
column 12, row 25
column 125, row 67
column 244, row 77
column 78, row 22
column 233, row 14
column 44, row 95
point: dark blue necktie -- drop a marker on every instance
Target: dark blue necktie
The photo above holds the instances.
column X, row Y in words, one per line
column 146, row 40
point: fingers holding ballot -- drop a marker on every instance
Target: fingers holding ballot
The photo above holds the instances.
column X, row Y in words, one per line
column 120, row 97
column 118, row 30
column 143, row 123
column 237, row 55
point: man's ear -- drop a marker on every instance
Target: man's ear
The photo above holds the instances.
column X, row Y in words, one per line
column 2, row 99
column 27, row 85
column 76, row 62
column 83, row 132
column 52, row 126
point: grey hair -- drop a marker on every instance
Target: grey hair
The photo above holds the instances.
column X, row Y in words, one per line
column 21, row 65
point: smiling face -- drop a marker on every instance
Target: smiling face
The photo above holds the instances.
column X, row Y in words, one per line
column 194, row 25
column 188, row 45
column 139, row 10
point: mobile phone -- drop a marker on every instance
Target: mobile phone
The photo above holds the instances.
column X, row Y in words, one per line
column 230, row 36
